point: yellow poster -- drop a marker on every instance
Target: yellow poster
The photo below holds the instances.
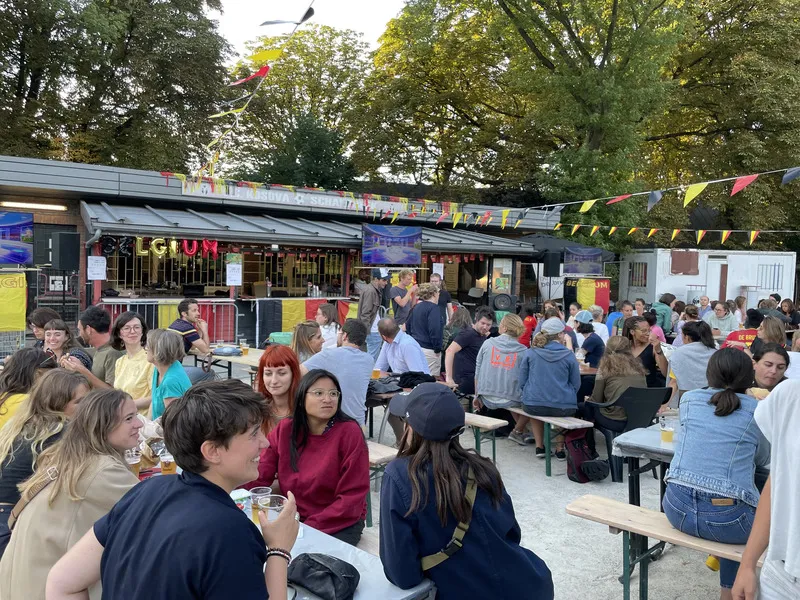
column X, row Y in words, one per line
column 586, row 294
column 13, row 301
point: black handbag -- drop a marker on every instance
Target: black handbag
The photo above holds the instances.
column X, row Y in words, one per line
column 326, row 576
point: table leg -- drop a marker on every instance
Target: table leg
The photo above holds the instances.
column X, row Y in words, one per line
column 494, row 449
column 643, row 564
column 662, row 472
column 371, row 423
column 230, row 370
column 626, row 566
column 369, row 507
column 383, row 423
column 477, row 433
column 547, row 469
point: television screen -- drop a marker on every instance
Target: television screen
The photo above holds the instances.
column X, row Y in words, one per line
column 16, row 238
column 391, row 245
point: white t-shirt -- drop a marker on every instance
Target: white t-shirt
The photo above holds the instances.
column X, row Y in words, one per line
column 778, row 417
column 601, row 329
column 793, row 370
column 329, row 333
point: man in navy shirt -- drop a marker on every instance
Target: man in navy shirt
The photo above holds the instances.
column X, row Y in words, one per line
column 182, row 536
column 191, row 327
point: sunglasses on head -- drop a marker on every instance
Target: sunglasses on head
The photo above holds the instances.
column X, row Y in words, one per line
column 50, row 356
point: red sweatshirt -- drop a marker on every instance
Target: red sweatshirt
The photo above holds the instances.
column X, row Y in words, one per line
column 332, row 478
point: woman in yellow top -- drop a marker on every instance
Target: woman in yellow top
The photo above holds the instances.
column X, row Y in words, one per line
column 21, row 371
column 132, row 373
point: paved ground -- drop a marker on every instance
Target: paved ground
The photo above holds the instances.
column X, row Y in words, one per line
column 584, row 557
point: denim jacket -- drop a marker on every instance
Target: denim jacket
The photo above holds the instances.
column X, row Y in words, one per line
column 718, row 455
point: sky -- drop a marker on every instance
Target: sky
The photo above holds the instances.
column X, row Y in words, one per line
column 240, row 21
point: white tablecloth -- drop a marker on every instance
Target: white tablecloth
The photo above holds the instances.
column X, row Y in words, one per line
column 644, row 443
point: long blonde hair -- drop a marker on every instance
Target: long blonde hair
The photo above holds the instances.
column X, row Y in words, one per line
column 774, row 330
column 85, row 440
column 303, row 332
column 618, row 360
column 42, row 415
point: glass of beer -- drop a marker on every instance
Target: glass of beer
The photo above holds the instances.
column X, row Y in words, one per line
column 272, row 505
column 376, row 373
column 667, row 429
column 168, row 466
column 245, row 348
column 256, row 494
column 134, row 460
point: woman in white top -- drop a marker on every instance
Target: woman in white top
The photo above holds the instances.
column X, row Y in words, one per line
column 328, row 321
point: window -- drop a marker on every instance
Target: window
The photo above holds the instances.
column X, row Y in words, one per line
column 637, row 276
column 684, row 262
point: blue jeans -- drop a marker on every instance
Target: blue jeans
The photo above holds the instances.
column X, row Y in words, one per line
column 374, row 342
column 692, row 512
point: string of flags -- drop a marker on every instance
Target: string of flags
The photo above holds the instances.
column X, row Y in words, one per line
column 699, row 234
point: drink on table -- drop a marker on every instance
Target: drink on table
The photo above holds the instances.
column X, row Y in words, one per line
column 256, row 494
column 272, row 505
column 667, row 429
column 168, row 466
column 245, row 348
column 134, row 460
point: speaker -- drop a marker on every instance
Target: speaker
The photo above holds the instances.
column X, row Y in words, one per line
column 552, row 264
column 504, row 302
column 66, row 251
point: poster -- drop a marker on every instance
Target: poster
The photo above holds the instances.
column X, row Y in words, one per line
column 587, row 292
column 96, row 268
column 438, row 269
column 14, row 300
column 583, row 261
column 233, row 269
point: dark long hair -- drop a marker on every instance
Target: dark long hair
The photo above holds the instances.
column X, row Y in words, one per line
column 120, row 322
column 450, row 464
column 300, row 428
column 699, row 331
column 19, row 374
column 732, row 371
column 630, row 324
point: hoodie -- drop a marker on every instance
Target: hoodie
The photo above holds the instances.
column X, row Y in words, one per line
column 550, row 377
column 497, row 370
column 663, row 316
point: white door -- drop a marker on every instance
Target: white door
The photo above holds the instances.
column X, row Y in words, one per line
column 713, row 277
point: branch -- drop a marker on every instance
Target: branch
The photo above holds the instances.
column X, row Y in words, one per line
column 611, row 29
column 562, row 18
column 546, row 62
column 677, row 134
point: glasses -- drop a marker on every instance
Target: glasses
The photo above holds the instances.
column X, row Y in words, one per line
column 318, row 394
column 131, row 329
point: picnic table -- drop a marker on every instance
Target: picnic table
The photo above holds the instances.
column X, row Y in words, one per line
column 227, row 362
column 373, row 583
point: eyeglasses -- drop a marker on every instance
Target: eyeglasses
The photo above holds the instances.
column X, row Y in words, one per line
column 131, row 329
column 332, row 394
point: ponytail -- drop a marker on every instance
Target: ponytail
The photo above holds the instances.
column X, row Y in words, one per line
column 731, row 371
column 541, row 339
column 725, row 402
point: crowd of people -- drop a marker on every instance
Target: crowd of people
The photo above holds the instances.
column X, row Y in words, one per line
column 74, row 519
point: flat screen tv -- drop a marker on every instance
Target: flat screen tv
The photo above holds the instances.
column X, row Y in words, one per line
column 391, row 245
column 16, row 238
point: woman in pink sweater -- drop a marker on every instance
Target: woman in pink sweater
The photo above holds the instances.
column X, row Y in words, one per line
column 321, row 457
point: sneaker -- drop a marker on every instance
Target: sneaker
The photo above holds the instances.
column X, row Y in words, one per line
column 516, row 436
column 539, row 452
column 561, row 455
column 529, row 439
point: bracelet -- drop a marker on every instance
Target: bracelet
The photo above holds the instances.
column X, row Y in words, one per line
column 279, row 552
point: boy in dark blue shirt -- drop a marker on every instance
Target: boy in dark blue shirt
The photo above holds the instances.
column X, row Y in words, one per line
column 182, row 536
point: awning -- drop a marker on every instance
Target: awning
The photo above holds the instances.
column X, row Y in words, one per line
column 547, row 243
column 144, row 220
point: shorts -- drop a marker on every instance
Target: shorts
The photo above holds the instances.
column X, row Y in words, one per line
column 549, row 411
column 495, row 403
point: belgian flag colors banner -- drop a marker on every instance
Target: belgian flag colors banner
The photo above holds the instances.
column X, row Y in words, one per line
column 586, row 292
column 282, row 314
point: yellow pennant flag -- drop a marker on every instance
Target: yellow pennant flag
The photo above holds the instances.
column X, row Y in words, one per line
column 394, row 216
column 219, row 139
column 235, row 111
column 557, row 227
column 504, row 218
column 612, row 231
column 575, row 228
column 700, row 235
column 652, row 233
column 456, row 219
column 633, row 230
column 587, row 205
column 693, row 191
column 517, row 223
column 266, row 55
column 595, row 229
column 675, row 233
column 726, row 233
column 753, row 236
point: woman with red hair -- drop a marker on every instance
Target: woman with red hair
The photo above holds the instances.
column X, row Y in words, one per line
column 277, row 380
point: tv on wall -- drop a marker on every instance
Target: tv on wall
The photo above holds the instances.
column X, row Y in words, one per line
column 16, row 238
column 391, row 245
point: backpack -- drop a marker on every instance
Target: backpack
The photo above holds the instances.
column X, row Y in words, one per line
column 581, row 467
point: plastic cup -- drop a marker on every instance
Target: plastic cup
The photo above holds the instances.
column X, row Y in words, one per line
column 272, row 505
column 134, row 460
column 168, row 465
column 376, row 373
column 667, row 429
column 245, row 347
column 256, row 494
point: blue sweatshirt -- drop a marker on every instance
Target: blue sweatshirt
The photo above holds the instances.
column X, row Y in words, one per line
column 491, row 564
column 550, row 377
column 424, row 324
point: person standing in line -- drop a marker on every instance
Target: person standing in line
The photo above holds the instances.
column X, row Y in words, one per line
column 462, row 355
column 403, row 296
column 445, row 299
column 425, row 325
column 369, row 313
column 94, row 327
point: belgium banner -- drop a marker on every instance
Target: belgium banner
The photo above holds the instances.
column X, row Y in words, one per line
column 280, row 314
column 13, row 300
column 587, row 292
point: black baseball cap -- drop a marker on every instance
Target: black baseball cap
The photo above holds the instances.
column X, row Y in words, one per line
column 381, row 274
column 432, row 410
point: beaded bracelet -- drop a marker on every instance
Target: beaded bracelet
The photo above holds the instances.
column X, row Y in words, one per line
column 279, row 552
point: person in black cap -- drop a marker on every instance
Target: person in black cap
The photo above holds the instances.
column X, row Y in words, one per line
column 369, row 305
column 445, row 513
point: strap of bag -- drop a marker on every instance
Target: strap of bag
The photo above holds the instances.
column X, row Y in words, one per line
column 456, row 542
column 52, row 474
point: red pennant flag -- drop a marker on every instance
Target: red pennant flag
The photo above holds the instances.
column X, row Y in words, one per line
column 742, row 182
column 262, row 72
column 618, row 199
column 441, row 218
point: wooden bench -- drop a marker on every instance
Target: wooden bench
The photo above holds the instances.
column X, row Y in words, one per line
column 567, row 423
column 484, row 427
column 379, row 457
column 630, row 519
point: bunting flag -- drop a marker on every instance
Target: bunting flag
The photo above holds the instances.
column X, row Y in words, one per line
column 753, row 236
column 790, row 175
column 575, row 228
column 693, row 191
column 394, row 216
column 456, row 219
column 700, row 233
column 675, row 233
column 652, row 233
column 262, row 72
column 557, row 227
column 520, row 216
column 618, row 199
column 742, row 183
column 587, row 205
column 612, row 231
column 266, row 55
column 235, row 111
column 504, row 215
column 633, row 230
column 595, row 229
column 654, row 198
column 725, row 235
column 441, row 218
